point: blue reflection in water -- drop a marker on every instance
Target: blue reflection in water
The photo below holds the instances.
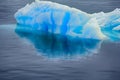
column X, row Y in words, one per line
column 59, row 46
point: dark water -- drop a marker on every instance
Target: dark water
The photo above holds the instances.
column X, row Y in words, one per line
column 20, row 57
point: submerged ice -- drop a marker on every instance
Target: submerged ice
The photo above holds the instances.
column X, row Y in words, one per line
column 60, row 19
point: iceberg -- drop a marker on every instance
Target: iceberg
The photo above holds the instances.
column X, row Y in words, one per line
column 60, row 19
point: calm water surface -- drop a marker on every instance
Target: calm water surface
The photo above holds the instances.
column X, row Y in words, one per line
column 20, row 59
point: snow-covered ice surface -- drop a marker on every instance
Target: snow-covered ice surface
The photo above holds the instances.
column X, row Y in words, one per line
column 60, row 19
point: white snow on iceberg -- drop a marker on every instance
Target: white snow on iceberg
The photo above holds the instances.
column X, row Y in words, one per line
column 61, row 19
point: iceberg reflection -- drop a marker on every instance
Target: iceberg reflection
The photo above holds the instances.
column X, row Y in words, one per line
column 59, row 46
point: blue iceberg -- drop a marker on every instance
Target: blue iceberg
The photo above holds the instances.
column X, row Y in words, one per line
column 60, row 19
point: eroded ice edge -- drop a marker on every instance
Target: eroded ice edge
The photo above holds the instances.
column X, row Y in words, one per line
column 85, row 31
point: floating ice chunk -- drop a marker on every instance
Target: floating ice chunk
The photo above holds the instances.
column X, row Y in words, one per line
column 61, row 19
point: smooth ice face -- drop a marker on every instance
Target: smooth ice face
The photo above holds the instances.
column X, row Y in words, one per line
column 60, row 19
